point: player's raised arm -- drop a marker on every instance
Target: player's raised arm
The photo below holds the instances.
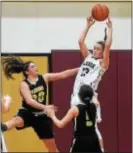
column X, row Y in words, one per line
column 108, row 43
column 81, row 41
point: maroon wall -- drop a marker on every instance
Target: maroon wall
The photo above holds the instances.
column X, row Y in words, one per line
column 108, row 99
column 114, row 95
column 61, row 92
column 125, row 101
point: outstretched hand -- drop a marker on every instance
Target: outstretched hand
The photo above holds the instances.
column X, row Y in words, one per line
column 90, row 20
column 50, row 109
column 50, row 112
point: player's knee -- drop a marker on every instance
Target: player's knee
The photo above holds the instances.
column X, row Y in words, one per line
column 50, row 143
column 18, row 121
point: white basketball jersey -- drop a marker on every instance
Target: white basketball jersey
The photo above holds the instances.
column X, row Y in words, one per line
column 90, row 73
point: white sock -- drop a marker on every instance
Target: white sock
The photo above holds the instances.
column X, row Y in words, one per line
column 99, row 113
column 102, row 149
column 4, row 149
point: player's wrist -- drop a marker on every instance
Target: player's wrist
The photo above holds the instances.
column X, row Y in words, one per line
column 43, row 107
column 110, row 28
column 88, row 25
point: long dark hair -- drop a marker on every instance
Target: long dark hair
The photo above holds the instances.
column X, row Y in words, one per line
column 102, row 43
column 14, row 64
column 86, row 94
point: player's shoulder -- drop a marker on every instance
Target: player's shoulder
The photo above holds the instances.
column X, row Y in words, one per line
column 90, row 55
column 90, row 52
column 23, row 84
column 74, row 110
column 40, row 77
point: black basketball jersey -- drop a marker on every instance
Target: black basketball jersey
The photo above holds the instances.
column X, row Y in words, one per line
column 38, row 92
column 84, row 123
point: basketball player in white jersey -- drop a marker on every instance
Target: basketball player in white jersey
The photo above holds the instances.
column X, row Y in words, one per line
column 93, row 67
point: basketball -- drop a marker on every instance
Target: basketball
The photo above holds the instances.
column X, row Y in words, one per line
column 100, row 12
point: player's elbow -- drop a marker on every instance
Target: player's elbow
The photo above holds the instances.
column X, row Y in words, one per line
column 29, row 101
column 106, row 64
column 107, row 45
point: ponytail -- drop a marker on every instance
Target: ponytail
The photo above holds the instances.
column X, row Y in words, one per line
column 86, row 94
column 87, row 101
column 12, row 64
column 102, row 43
column 105, row 37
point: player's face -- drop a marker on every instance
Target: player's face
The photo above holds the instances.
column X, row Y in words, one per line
column 98, row 51
column 32, row 69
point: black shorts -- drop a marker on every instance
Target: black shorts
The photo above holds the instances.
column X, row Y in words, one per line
column 42, row 125
column 86, row 144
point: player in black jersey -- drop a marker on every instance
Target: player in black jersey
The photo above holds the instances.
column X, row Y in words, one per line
column 84, row 115
column 33, row 90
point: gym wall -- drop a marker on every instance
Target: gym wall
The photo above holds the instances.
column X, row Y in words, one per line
column 43, row 26
column 23, row 140
column 114, row 95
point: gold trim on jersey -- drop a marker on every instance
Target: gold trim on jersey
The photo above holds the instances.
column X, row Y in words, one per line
column 37, row 89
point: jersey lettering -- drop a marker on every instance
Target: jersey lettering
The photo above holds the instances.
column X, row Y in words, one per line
column 90, row 64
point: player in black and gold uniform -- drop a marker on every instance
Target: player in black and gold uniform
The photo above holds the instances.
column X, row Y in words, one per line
column 30, row 114
column 84, row 115
column 33, row 91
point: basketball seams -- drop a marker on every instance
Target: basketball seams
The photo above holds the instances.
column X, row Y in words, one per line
column 102, row 13
column 107, row 11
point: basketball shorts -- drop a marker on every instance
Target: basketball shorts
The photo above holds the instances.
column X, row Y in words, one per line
column 42, row 124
